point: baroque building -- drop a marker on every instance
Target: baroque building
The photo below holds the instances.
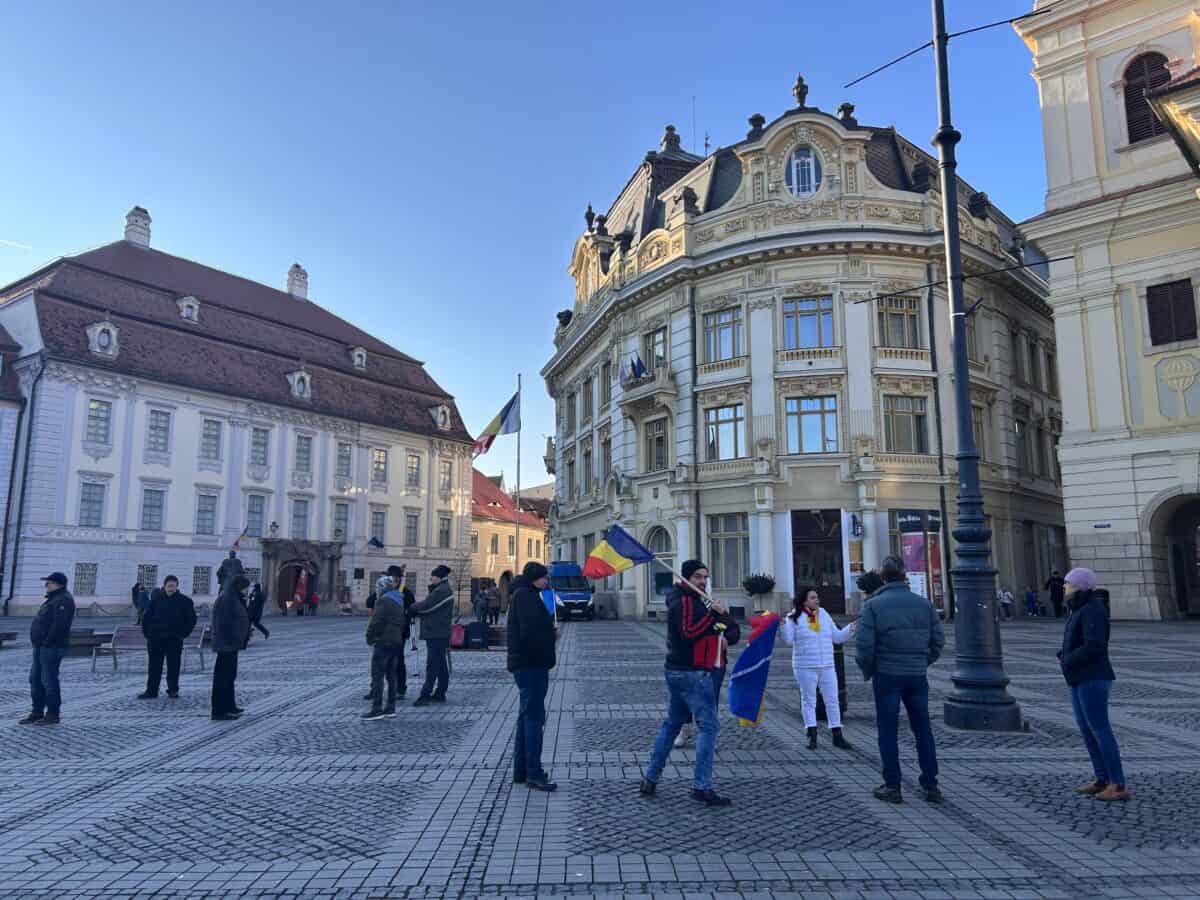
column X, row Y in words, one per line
column 156, row 411
column 1120, row 96
column 754, row 373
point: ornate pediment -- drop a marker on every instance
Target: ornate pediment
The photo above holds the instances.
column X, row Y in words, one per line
column 725, row 396
column 914, row 385
column 721, row 301
column 808, row 289
column 810, row 387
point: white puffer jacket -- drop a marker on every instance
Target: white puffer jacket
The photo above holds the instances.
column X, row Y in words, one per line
column 813, row 649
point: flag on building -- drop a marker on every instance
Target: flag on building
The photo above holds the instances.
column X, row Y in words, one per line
column 616, row 552
column 637, row 367
column 748, row 680
column 238, row 541
column 507, row 421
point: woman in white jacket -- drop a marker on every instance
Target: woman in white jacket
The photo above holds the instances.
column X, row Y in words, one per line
column 812, row 633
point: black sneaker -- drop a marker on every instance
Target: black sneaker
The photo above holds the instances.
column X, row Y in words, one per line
column 48, row 719
column 390, row 711
column 932, row 795
column 31, row 719
column 647, row 787
column 710, row 798
column 225, row 717
column 542, row 784
column 373, row 715
column 888, row 794
column 840, row 741
column 238, row 710
column 146, row 695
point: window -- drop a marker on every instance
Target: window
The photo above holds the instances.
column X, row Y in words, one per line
column 1035, row 371
column 474, row 541
column 589, row 544
column 260, row 447
column 900, row 322
column 445, row 475
column 803, row 173
column 1018, row 366
column 972, row 338
column 412, row 529
column 529, row 548
column 379, row 465
column 512, row 545
column 588, row 388
column 1054, row 460
column 538, row 549
column 147, row 576
column 210, row 440
column 1051, row 373
column 412, row 471
column 723, row 428
column 303, row 453
column 978, row 431
column 904, row 426
column 104, row 340
column 342, row 466
column 605, row 384
column 574, row 545
column 206, row 514
column 256, row 514
column 201, row 581
column 655, row 345
column 729, row 550
column 494, row 545
column 301, row 386
column 1146, row 72
column 656, row 445
column 1038, row 448
column 99, row 422
column 571, row 413
column 723, row 334
column 811, row 424
column 341, row 521
column 1171, row 309
column 158, row 431
column 808, row 323
column 153, row 501
column 91, row 505
column 300, row 519
column 444, row 532
column 585, row 486
column 1021, row 437
column 84, row 584
column 571, row 478
column 605, row 458
column 379, row 525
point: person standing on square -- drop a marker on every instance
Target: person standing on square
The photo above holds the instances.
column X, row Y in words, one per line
column 167, row 622
column 50, row 635
column 531, row 656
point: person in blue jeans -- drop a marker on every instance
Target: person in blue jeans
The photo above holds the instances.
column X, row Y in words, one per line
column 1087, row 669
column 696, row 639
column 531, row 656
column 899, row 636
column 50, row 635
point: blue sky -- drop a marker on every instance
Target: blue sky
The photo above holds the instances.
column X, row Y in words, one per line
column 429, row 165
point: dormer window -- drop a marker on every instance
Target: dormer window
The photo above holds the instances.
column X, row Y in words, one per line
column 358, row 355
column 803, row 173
column 104, row 339
column 301, row 384
column 441, row 417
column 189, row 309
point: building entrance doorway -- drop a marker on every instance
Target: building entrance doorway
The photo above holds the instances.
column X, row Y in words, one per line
column 817, row 555
column 1183, row 539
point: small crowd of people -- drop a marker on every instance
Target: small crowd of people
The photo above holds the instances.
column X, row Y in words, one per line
column 486, row 603
column 1055, row 586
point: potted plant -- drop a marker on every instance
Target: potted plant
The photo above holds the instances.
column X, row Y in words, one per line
column 756, row 586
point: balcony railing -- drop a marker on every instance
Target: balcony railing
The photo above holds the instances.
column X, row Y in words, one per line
column 732, row 364
column 905, row 354
column 711, row 471
column 808, row 354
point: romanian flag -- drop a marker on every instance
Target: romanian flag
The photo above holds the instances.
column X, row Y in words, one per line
column 238, row 543
column 507, row 421
column 617, row 552
column 748, row 680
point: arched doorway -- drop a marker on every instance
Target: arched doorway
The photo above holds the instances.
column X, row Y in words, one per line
column 660, row 573
column 1182, row 536
column 288, row 579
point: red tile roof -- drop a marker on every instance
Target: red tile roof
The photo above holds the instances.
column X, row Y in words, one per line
column 489, row 502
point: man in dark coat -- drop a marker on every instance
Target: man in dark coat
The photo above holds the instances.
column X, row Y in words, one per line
column 167, row 622
column 1057, row 587
column 436, row 612
column 258, row 599
column 50, row 635
column 410, row 600
column 228, row 568
column 230, row 632
column 385, row 635
column 531, row 656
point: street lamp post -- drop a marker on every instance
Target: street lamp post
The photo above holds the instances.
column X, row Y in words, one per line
column 979, row 700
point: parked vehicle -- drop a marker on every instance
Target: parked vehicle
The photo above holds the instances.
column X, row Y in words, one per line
column 573, row 594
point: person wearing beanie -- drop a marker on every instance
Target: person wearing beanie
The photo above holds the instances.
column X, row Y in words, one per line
column 1088, row 671
column 531, row 656
column 436, row 613
column 396, row 573
column 696, row 637
column 385, row 636
column 230, row 632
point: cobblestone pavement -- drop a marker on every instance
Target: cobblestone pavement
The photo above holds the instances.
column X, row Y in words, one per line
column 133, row 798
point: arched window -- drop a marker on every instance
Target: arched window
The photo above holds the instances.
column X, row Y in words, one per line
column 660, row 575
column 302, row 386
column 1145, row 73
column 104, row 340
column 803, row 174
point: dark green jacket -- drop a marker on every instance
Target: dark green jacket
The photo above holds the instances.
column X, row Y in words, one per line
column 899, row 633
column 436, row 613
column 389, row 623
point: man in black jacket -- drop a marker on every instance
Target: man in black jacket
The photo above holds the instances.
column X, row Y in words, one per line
column 50, row 635
column 167, row 622
column 230, row 632
column 531, row 656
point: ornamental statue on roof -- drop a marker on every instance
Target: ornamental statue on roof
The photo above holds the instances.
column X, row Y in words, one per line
column 800, row 91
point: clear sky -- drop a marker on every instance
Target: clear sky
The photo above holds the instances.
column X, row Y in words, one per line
column 429, row 164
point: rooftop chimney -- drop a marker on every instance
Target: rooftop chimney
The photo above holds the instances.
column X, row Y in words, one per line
column 297, row 284
column 137, row 227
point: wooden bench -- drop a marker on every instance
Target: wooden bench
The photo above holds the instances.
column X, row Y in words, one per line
column 84, row 641
column 7, row 636
column 126, row 637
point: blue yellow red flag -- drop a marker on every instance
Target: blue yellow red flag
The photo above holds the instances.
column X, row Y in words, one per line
column 748, row 680
column 617, row 552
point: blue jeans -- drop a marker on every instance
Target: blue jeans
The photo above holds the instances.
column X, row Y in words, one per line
column 531, row 723
column 913, row 692
column 43, row 680
column 692, row 695
column 437, row 669
column 1089, row 700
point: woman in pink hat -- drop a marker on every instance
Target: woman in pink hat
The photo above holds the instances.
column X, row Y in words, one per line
column 1085, row 665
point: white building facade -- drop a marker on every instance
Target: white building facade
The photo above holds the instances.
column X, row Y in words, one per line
column 795, row 416
column 170, row 410
column 1120, row 98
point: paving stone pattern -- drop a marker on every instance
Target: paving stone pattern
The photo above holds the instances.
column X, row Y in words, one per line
column 299, row 798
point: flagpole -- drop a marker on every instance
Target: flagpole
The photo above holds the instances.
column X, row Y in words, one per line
column 517, row 514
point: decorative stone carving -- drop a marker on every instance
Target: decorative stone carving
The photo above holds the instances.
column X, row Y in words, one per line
column 895, row 286
column 808, row 289
column 758, row 276
column 809, row 387
column 118, row 384
column 911, row 216
column 705, row 235
column 763, row 301
column 735, row 393
column 735, row 226
column 302, row 479
column 296, row 417
column 721, row 301
column 905, row 385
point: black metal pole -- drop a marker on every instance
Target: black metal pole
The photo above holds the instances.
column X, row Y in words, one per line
column 979, row 700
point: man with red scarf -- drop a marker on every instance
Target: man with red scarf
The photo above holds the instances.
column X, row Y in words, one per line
column 696, row 640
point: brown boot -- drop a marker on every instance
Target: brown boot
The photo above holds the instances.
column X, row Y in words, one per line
column 1114, row 792
column 1092, row 788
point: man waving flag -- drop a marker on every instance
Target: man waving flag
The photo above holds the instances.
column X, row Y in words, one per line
column 507, row 421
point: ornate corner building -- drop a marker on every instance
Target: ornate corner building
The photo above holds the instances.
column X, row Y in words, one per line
column 154, row 410
column 1120, row 94
column 755, row 373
